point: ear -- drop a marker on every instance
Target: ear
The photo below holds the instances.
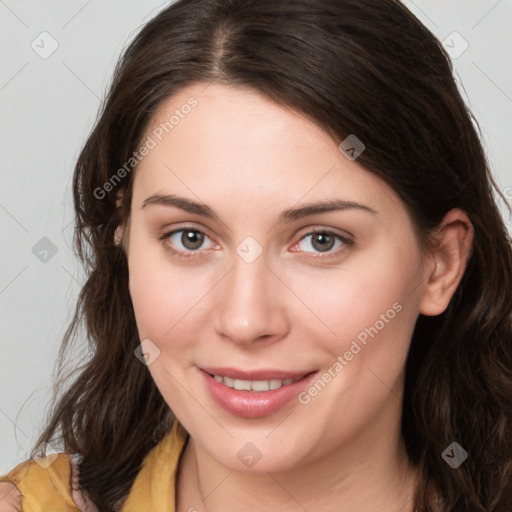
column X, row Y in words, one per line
column 119, row 198
column 120, row 230
column 447, row 261
column 118, row 234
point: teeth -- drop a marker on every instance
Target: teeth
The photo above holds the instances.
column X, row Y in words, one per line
column 254, row 385
column 243, row 385
column 275, row 383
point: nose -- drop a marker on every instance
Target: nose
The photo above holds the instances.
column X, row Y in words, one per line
column 250, row 304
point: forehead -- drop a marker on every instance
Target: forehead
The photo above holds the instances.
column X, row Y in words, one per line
column 223, row 143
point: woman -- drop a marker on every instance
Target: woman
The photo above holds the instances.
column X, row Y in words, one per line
column 300, row 286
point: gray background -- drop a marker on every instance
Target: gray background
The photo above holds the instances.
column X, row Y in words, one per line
column 48, row 106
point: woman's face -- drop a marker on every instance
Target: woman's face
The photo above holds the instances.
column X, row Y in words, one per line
column 250, row 288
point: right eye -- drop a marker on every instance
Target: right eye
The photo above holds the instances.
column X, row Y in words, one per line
column 191, row 240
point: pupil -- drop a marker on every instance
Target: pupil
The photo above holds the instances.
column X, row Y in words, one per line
column 192, row 239
column 326, row 238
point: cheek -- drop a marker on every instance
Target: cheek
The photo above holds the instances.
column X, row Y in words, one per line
column 387, row 313
column 354, row 296
column 373, row 318
column 163, row 294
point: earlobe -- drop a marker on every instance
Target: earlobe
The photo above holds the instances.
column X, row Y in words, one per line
column 118, row 234
column 121, row 235
column 454, row 240
column 119, row 198
column 120, row 230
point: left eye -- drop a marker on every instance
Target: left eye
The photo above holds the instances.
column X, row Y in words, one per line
column 322, row 241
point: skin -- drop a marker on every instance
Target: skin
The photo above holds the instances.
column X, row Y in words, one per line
column 248, row 159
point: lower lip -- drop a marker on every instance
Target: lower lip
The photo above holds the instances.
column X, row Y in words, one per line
column 254, row 404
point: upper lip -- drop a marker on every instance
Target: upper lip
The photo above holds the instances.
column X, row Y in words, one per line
column 263, row 374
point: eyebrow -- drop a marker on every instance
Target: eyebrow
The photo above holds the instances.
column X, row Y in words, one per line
column 289, row 215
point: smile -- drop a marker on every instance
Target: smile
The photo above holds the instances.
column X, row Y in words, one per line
column 254, row 385
column 260, row 393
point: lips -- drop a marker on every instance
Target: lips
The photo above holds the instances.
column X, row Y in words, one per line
column 253, row 403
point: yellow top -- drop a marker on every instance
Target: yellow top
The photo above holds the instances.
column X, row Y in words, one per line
column 153, row 489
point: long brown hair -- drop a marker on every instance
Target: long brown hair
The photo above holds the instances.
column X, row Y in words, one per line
column 364, row 67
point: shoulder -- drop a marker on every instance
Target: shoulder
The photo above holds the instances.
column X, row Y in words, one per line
column 38, row 484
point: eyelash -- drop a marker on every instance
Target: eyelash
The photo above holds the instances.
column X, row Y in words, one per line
column 192, row 254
